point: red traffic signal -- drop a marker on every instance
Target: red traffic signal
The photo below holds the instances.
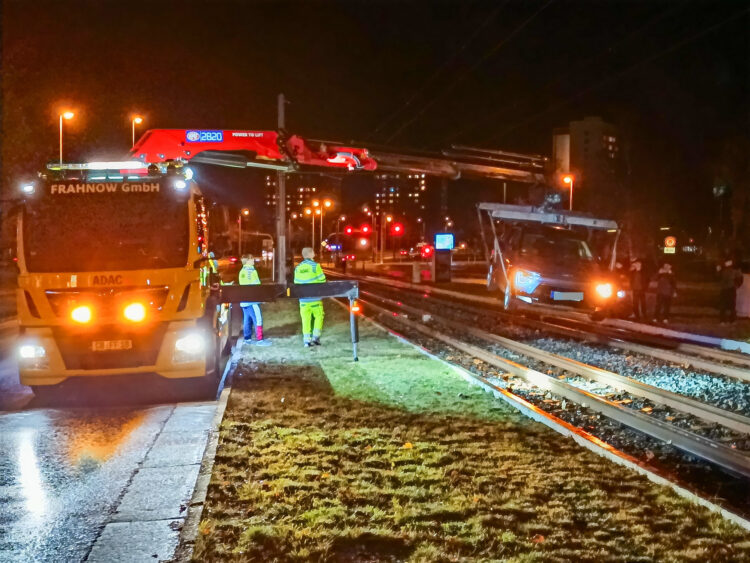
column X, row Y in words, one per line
column 427, row 251
column 366, row 229
column 397, row 229
column 348, row 230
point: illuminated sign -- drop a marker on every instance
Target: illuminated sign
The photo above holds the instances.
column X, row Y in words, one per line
column 103, row 188
column 444, row 241
column 204, row 136
column 670, row 242
column 669, row 250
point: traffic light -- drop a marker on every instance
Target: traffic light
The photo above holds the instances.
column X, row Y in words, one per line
column 366, row 229
column 348, row 230
column 397, row 229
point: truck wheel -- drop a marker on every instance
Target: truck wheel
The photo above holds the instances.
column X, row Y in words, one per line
column 205, row 387
column 43, row 393
column 230, row 329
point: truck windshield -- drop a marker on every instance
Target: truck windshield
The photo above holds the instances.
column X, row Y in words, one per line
column 84, row 232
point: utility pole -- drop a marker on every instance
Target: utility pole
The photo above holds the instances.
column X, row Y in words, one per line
column 281, row 204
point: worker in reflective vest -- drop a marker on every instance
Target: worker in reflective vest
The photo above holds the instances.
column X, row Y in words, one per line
column 310, row 308
column 213, row 263
column 251, row 310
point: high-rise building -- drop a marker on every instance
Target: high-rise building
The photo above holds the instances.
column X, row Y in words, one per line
column 403, row 195
column 590, row 150
column 300, row 191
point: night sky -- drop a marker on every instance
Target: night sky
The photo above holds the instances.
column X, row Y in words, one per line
column 672, row 75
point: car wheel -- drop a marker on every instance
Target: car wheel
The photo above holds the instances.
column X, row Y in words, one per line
column 491, row 283
column 509, row 302
column 598, row 316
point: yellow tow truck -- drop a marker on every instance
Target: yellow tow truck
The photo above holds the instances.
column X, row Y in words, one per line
column 114, row 277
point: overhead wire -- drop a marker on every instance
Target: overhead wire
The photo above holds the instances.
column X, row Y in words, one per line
column 481, row 60
column 454, row 136
column 440, row 69
column 618, row 75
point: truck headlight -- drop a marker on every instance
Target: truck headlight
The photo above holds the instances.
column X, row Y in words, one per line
column 604, row 290
column 525, row 281
column 81, row 314
column 190, row 347
column 135, row 312
column 32, row 356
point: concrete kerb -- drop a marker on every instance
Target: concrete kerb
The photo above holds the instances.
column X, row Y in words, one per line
column 591, row 443
column 189, row 530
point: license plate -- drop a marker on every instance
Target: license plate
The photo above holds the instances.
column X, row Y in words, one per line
column 111, row 345
column 567, row 296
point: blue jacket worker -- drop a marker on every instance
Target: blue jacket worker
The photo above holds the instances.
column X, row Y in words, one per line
column 251, row 310
column 310, row 308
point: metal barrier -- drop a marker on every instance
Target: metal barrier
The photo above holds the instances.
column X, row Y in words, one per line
column 274, row 291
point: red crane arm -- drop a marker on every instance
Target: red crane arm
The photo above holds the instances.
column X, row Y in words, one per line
column 158, row 145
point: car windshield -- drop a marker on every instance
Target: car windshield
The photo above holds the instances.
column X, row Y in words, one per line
column 84, row 232
column 555, row 247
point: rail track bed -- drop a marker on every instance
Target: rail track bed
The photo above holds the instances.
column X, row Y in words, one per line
column 697, row 435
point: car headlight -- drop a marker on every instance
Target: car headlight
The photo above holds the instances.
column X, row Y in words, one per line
column 604, row 290
column 190, row 347
column 526, row 282
column 32, row 356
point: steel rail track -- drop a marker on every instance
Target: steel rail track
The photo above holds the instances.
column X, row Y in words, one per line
column 576, row 433
column 685, row 440
column 616, row 338
column 676, row 401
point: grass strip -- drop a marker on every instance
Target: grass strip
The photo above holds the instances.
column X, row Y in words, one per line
column 396, row 458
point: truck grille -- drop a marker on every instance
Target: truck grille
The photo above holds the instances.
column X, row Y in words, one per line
column 108, row 302
column 77, row 348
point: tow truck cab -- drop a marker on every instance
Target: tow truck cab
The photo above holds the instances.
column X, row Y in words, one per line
column 114, row 277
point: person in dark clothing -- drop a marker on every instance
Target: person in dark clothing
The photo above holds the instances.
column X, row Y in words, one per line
column 730, row 278
column 638, row 286
column 666, row 289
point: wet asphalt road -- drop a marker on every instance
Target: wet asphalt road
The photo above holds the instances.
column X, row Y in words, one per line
column 98, row 476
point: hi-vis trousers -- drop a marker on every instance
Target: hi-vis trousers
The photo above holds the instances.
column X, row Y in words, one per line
column 310, row 310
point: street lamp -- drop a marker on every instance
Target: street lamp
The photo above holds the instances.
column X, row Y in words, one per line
column 568, row 179
column 320, row 214
column 244, row 212
column 137, row 120
column 309, row 212
column 327, row 203
column 63, row 115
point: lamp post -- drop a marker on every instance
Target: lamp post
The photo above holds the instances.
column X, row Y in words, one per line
column 318, row 212
column 568, row 179
column 327, row 203
column 309, row 212
column 63, row 115
column 244, row 212
column 421, row 222
column 137, row 120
